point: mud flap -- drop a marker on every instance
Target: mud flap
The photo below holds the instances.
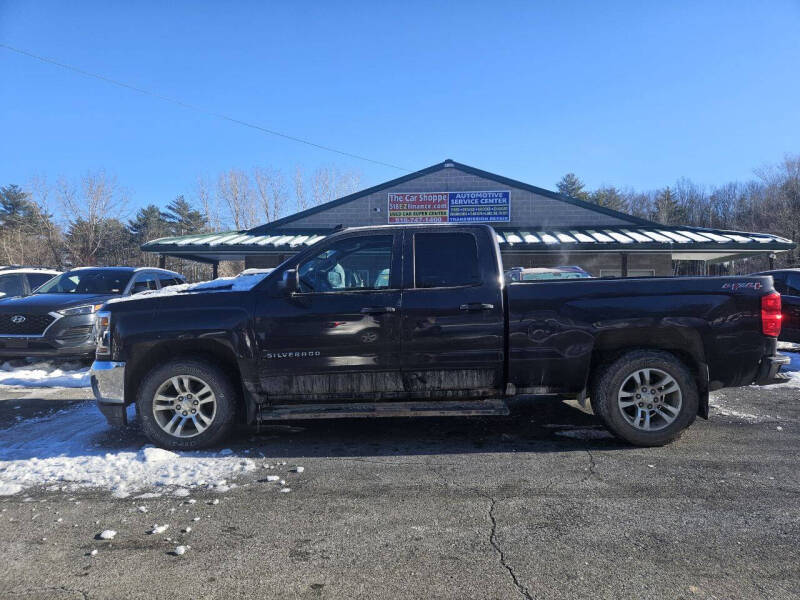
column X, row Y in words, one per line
column 115, row 414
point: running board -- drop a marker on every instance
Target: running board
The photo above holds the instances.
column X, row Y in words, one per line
column 383, row 409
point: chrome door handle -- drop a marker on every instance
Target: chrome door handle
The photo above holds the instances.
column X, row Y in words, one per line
column 476, row 306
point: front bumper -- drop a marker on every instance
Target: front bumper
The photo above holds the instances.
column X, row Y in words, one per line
column 770, row 366
column 108, row 385
column 69, row 336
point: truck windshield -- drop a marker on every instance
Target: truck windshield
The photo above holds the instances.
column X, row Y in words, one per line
column 88, row 281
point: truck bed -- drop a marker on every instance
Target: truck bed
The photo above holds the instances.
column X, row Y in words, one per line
column 554, row 328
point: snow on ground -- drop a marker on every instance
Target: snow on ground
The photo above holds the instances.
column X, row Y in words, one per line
column 793, row 368
column 30, row 373
column 63, row 452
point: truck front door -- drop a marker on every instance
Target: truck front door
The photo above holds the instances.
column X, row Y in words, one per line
column 453, row 324
column 337, row 337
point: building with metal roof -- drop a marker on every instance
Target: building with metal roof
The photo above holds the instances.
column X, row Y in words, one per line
column 535, row 227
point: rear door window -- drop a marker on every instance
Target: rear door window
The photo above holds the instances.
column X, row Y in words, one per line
column 11, row 285
column 37, row 279
column 168, row 280
column 445, row 260
column 144, row 282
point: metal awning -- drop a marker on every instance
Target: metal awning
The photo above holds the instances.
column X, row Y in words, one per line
column 683, row 243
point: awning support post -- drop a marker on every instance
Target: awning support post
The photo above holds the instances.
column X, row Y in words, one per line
column 215, row 269
column 624, row 269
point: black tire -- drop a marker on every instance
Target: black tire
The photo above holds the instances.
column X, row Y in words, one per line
column 610, row 380
column 224, row 417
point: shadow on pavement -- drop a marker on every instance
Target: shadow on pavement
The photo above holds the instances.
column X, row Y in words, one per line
column 539, row 426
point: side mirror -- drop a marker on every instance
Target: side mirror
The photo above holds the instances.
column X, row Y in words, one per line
column 290, row 282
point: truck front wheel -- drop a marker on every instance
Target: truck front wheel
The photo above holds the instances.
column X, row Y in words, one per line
column 186, row 405
column 646, row 397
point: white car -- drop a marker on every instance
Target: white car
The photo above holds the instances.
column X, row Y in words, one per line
column 21, row 281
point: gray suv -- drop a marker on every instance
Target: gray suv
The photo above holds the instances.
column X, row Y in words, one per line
column 57, row 318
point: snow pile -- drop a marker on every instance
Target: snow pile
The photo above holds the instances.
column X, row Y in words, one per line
column 243, row 282
column 67, row 450
column 792, row 369
column 44, row 374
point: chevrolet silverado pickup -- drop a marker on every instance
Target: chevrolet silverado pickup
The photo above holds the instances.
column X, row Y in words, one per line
column 417, row 320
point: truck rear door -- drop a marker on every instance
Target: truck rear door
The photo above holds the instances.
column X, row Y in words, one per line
column 452, row 322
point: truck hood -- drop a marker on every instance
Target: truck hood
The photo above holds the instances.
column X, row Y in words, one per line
column 44, row 303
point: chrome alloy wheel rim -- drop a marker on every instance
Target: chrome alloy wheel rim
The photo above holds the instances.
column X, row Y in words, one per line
column 184, row 406
column 650, row 399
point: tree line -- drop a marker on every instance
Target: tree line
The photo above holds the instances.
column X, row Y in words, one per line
column 767, row 203
column 87, row 222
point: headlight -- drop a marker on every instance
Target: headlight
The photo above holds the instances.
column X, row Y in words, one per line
column 102, row 332
column 87, row 309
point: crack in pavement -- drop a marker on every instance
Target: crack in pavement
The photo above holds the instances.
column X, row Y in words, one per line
column 521, row 588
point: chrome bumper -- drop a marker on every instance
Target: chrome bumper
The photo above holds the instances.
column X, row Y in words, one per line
column 108, row 385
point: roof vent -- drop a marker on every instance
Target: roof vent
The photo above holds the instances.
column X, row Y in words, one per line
column 448, row 162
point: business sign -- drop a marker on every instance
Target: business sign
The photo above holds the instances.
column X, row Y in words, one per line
column 450, row 207
column 423, row 207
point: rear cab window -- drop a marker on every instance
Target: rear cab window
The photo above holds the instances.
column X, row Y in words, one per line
column 446, row 260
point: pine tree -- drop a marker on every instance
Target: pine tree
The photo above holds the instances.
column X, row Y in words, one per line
column 183, row 219
column 16, row 210
column 571, row 185
column 149, row 224
column 667, row 208
column 608, row 197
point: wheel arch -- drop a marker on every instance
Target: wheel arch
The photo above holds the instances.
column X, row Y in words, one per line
column 169, row 350
column 685, row 344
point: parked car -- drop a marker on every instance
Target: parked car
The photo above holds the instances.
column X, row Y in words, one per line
column 56, row 319
column 787, row 282
column 21, row 281
column 545, row 273
column 446, row 337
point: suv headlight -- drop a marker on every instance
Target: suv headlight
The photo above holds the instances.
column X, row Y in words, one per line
column 86, row 309
column 102, row 332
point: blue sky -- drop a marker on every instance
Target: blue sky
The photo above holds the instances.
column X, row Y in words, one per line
column 630, row 94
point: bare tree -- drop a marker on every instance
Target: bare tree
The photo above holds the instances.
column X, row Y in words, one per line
column 328, row 183
column 48, row 230
column 89, row 209
column 236, row 194
column 208, row 203
column 272, row 191
column 300, row 195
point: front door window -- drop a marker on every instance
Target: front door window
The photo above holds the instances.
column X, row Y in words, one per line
column 359, row 263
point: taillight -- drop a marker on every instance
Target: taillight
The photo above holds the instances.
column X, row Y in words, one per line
column 771, row 314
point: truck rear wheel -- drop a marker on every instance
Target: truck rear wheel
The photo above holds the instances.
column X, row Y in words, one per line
column 186, row 405
column 646, row 397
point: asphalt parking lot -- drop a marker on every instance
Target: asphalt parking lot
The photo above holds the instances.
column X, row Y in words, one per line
column 540, row 504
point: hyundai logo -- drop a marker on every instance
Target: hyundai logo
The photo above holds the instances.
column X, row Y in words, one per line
column 18, row 319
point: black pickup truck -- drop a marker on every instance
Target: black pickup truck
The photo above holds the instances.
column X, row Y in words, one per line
column 418, row 320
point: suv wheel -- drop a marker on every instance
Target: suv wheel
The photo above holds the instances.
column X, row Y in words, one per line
column 646, row 397
column 186, row 405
